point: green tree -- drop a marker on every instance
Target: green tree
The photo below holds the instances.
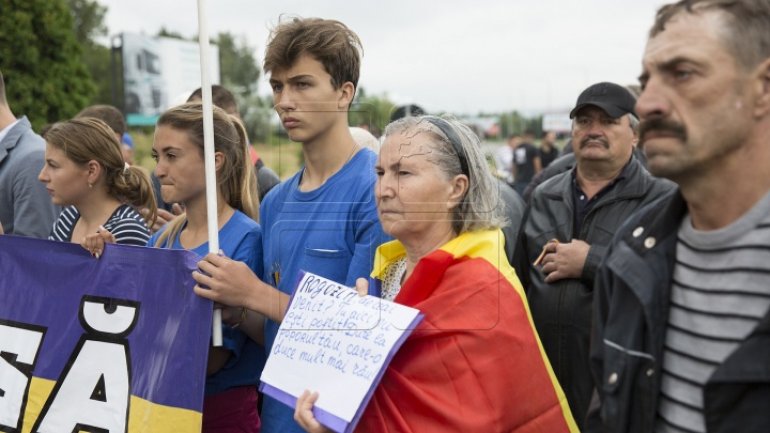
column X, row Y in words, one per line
column 163, row 32
column 88, row 24
column 256, row 112
column 515, row 123
column 371, row 110
column 239, row 72
column 41, row 60
column 512, row 123
column 87, row 20
column 237, row 66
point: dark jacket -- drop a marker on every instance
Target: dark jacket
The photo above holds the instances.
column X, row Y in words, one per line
column 514, row 211
column 631, row 312
column 561, row 164
column 562, row 310
column 266, row 179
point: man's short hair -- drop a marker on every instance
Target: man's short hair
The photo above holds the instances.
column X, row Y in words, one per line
column 406, row 110
column 107, row 114
column 746, row 23
column 220, row 96
column 328, row 41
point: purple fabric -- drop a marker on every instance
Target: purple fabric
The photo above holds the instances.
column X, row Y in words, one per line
column 42, row 283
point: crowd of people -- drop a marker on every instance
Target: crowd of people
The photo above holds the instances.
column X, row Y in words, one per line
column 617, row 288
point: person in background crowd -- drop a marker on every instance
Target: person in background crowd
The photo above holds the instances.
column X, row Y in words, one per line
column 25, row 206
column 682, row 320
column 504, row 158
column 127, row 147
column 407, row 110
column 323, row 219
column 566, row 160
column 84, row 171
column 563, row 163
column 526, row 162
column 571, row 220
column 115, row 120
column 230, row 403
column 365, row 139
column 436, row 197
column 548, row 150
column 109, row 115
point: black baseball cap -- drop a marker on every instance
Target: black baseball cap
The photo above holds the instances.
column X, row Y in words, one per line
column 614, row 99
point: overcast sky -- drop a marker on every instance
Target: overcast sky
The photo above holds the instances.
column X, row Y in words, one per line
column 459, row 56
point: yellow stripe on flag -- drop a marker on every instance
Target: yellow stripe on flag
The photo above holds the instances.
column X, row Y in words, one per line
column 486, row 245
column 144, row 416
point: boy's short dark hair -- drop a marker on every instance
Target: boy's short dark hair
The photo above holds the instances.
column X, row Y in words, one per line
column 329, row 41
column 107, row 114
column 220, row 96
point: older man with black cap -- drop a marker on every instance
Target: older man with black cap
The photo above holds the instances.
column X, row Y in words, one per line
column 571, row 220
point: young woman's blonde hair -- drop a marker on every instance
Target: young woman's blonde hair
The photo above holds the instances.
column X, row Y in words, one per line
column 235, row 178
column 87, row 139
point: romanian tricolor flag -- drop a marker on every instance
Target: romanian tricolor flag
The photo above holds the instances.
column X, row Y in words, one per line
column 117, row 344
column 475, row 363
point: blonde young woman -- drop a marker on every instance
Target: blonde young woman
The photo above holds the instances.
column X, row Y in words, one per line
column 85, row 172
column 230, row 403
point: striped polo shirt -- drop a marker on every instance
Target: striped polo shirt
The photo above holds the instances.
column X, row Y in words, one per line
column 719, row 294
column 125, row 224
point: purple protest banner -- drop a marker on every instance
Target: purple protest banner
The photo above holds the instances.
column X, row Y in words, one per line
column 118, row 344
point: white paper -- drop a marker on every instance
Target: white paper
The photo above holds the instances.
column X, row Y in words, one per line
column 335, row 342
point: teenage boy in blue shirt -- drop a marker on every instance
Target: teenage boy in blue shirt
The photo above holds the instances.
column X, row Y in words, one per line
column 323, row 219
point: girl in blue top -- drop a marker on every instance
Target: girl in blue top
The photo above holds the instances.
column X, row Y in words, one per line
column 230, row 404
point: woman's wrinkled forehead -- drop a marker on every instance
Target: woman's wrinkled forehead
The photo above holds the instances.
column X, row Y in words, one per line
column 419, row 139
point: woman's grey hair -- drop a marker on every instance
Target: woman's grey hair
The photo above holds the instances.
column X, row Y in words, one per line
column 481, row 208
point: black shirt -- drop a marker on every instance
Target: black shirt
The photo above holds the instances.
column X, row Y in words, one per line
column 524, row 162
column 583, row 204
column 547, row 156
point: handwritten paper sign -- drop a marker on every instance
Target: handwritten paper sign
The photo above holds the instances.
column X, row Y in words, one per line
column 337, row 343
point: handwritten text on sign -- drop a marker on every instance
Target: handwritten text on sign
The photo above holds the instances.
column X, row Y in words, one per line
column 335, row 342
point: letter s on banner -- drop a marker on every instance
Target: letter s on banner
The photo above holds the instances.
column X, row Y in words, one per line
column 19, row 346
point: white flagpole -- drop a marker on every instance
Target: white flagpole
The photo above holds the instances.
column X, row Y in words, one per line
column 208, row 155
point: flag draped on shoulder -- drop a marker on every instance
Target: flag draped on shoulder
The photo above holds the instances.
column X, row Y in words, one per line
column 475, row 363
column 117, row 344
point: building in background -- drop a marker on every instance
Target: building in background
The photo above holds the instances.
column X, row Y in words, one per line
column 159, row 72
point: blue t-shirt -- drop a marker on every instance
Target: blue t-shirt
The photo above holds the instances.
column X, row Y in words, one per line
column 240, row 239
column 331, row 231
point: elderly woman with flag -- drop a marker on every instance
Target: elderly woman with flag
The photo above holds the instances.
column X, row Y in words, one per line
column 475, row 363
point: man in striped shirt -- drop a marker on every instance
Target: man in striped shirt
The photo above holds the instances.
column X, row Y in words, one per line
column 682, row 326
